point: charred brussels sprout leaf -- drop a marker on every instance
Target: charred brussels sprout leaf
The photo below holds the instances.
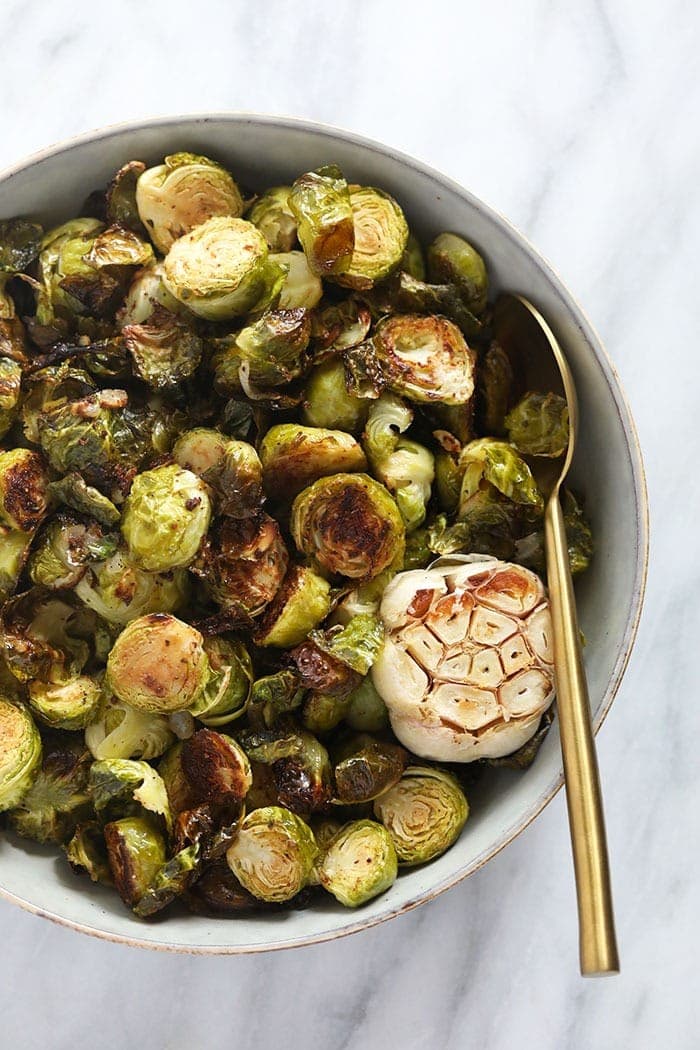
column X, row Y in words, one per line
column 452, row 260
column 23, row 489
column 120, row 197
column 499, row 464
column 300, row 604
column 74, row 492
column 169, row 882
column 216, row 767
column 424, row 359
column 273, row 854
column 273, row 695
column 46, row 637
column 339, row 326
column 329, row 404
column 320, row 201
column 293, row 456
column 20, row 753
column 123, row 786
column 357, row 644
column 273, row 216
column 365, row 768
column 243, row 564
column 300, row 765
column 424, row 813
column 358, row 863
column 268, row 353
column 166, row 517
column 222, row 270
column 539, row 425
column 136, row 853
column 87, row 852
column 403, row 293
column 164, row 350
column 182, row 193
column 57, row 799
column 494, row 389
column 20, row 241
column 405, row 467
column 158, row 664
column 381, row 235
column 10, row 384
column 350, row 524
column 578, row 534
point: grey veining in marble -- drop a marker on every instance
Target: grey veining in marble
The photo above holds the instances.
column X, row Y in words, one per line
column 580, row 122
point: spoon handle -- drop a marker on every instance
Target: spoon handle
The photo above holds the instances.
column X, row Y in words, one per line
column 597, row 944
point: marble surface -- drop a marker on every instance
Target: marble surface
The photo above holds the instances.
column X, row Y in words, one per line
column 580, row 123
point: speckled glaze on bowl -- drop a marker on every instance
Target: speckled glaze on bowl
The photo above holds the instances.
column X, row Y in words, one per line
column 264, row 151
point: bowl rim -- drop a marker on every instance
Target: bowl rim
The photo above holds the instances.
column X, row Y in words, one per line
column 634, row 451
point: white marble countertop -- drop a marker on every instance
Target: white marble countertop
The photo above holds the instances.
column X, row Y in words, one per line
column 580, row 122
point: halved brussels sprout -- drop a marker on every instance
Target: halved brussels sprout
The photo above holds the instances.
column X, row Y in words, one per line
column 23, row 489
column 221, row 269
column 65, row 547
column 20, row 753
column 72, row 491
column 300, row 765
column 226, row 697
column 539, row 425
column 424, row 813
column 65, row 705
column 182, row 193
column 45, row 637
column 10, row 384
column 339, row 326
column 499, row 464
column 367, row 712
column 57, row 799
column 268, row 353
column 425, row 358
column 177, row 786
column 301, row 287
column 120, row 731
column 273, row 854
column 118, row 591
column 300, row 604
column 323, row 672
column 381, row 235
column 359, row 863
column 136, row 853
column 328, row 403
column 169, row 882
column 87, row 852
column 350, row 524
column 215, row 767
column 273, row 216
column 274, row 695
column 365, row 767
column 147, row 293
column 14, row 549
column 158, row 664
column 120, row 196
column 243, row 564
column 164, row 350
column 405, row 467
column 117, row 247
column 452, row 260
column 123, row 786
column 231, row 468
column 166, row 517
column 356, row 644
column 293, row 456
column 322, row 712
column 320, row 201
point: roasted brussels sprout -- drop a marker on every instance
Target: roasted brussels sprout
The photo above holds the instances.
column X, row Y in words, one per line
column 356, row 644
column 273, row 216
column 405, row 467
column 45, row 637
column 294, row 456
column 300, row 604
column 10, row 384
column 20, row 242
column 274, row 695
column 57, row 799
column 339, row 326
column 539, row 425
column 120, row 197
column 323, row 672
column 158, row 664
column 166, row 517
column 366, row 711
column 322, row 712
column 216, row 767
column 243, row 564
column 87, row 852
column 164, row 350
column 321, row 204
column 72, row 491
column 230, row 468
column 358, row 863
column 182, row 193
column 494, row 387
column 424, row 813
column 425, row 359
column 349, row 524
column 23, row 489
column 381, row 235
column 20, row 753
column 118, row 591
column 529, row 549
column 226, row 696
column 120, row 731
column 412, row 261
column 135, row 853
column 221, row 269
column 365, row 767
column 14, row 548
column 499, row 464
column 123, row 786
column 452, row 260
column 300, row 765
column 273, row 854
column 169, row 882
column 146, row 295
column 64, row 549
column 268, row 353
column 301, row 287
column 327, row 402
column 65, row 705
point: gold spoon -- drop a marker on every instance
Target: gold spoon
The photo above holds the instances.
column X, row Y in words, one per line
column 538, row 358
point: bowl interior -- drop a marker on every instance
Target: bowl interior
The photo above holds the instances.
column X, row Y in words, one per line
column 262, row 152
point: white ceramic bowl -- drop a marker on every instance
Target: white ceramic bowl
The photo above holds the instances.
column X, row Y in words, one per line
column 264, row 151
